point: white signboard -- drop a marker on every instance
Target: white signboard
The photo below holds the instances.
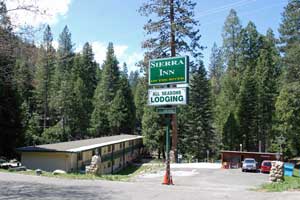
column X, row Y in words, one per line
column 167, row 96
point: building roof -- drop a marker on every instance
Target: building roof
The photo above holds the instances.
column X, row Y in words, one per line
column 248, row 152
column 79, row 145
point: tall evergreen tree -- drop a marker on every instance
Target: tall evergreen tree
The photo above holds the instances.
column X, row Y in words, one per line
column 10, row 114
column 267, row 74
column 227, row 100
column 61, row 100
column 231, row 134
column 152, row 130
column 88, row 70
column 287, row 103
column 140, row 101
column 105, row 93
column 290, row 40
column 231, row 37
column 79, row 116
column 250, row 45
column 247, row 112
column 44, row 76
column 172, row 27
column 122, row 111
column 216, row 69
column 199, row 132
column 288, row 116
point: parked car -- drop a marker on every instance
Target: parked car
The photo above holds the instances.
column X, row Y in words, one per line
column 265, row 166
column 11, row 164
column 249, row 164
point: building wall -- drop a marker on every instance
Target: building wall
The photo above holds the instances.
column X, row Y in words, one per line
column 48, row 161
column 113, row 157
column 72, row 161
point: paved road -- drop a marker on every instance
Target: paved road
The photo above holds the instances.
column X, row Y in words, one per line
column 205, row 184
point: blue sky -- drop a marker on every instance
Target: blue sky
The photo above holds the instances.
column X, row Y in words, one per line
column 103, row 21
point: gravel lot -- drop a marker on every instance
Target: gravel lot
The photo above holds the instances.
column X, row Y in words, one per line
column 189, row 184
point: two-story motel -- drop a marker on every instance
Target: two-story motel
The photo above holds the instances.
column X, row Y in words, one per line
column 115, row 152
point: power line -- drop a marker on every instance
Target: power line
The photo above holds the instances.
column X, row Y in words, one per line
column 226, row 7
column 247, row 12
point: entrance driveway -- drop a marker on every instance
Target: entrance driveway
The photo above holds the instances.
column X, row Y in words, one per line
column 190, row 183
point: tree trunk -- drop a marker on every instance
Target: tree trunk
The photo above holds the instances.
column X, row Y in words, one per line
column 173, row 54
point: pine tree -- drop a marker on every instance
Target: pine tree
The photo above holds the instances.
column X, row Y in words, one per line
column 63, row 83
column 250, row 45
column 140, row 101
column 289, row 38
column 287, row 103
column 88, row 70
column 231, row 136
column 128, row 127
column 227, row 100
column 267, row 74
column 288, row 116
column 247, row 112
column 117, row 115
column 200, row 134
column 152, row 130
column 125, row 70
column 11, row 134
column 79, row 116
column 289, row 28
column 43, row 77
column 24, row 79
column 105, row 93
column 231, row 37
column 216, row 69
column 172, row 27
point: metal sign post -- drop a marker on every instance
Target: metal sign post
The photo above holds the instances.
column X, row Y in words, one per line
column 168, row 173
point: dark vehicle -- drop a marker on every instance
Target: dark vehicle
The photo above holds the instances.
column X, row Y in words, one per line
column 249, row 164
column 265, row 166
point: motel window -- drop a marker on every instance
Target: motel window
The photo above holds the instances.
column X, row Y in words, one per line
column 121, row 145
column 108, row 164
column 109, row 148
column 80, row 156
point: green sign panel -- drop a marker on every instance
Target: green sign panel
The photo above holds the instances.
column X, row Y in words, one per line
column 168, row 71
column 163, row 111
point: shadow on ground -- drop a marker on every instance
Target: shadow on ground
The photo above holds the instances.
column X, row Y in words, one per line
column 43, row 191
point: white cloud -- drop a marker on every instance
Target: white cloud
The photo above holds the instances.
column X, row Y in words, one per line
column 55, row 44
column 132, row 59
column 99, row 50
column 120, row 50
column 54, row 9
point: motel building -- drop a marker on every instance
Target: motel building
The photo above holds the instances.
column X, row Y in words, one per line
column 115, row 152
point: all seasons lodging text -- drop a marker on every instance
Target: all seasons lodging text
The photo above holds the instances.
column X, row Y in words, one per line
column 167, row 96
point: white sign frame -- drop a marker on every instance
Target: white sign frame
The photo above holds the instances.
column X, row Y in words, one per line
column 153, row 93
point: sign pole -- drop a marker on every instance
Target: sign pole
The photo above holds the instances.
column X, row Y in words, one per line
column 168, row 179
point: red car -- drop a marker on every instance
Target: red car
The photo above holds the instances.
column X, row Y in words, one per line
column 266, row 166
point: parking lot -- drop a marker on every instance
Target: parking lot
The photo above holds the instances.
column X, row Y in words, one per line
column 190, row 183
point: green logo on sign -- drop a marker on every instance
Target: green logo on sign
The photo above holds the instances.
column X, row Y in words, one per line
column 168, row 71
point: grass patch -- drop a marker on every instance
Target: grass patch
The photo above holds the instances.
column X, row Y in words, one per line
column 123, row 175
column 289, row 183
